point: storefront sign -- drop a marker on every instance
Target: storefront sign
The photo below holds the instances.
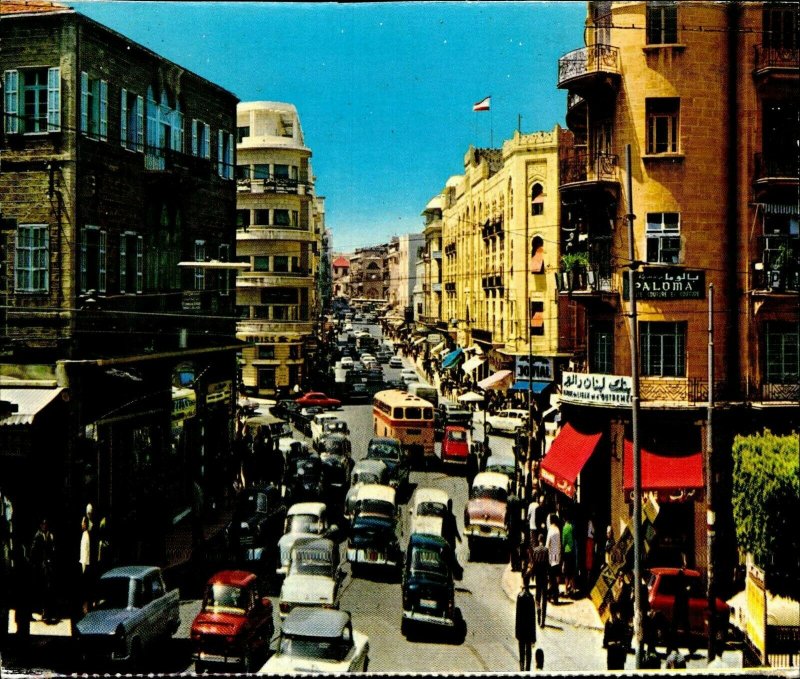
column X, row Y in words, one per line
column 756, row 611
column 596, row 389
column 219, row 391
column 663, row 283
column 540, row 369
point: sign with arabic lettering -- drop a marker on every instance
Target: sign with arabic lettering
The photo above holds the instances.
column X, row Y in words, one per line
column 596, row 389
column 667, row 283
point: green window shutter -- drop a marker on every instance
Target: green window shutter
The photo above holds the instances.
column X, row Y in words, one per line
column 101, row 258
column 123, row 118
column 123, row 263
column 11, row 89
column 53, row 99
column 139, row 264
column 103, row 110
column 84, row 102
column 140, row 124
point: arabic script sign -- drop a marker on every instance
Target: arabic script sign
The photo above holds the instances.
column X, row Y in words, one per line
column 663, row 283
column 595, row 389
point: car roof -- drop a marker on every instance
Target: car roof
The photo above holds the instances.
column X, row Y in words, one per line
column 316, row 622
column 499, row 460
column 430, row 495
column 491, row 480
column 376, row 491
column 514, row 410
column 455, row 427
column 134, row 572
column 315, row 544
column 383, row 439
column 370, row 465
column 426, row 539
column 307, row 508
column 669, row 570
column 233, row 577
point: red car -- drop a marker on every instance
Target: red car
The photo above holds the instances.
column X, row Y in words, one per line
column 235, row 624
column 455, row 444
column 317, row 398
column 662, row 588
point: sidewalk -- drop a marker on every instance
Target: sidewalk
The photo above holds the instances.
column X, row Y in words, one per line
column 573, row 612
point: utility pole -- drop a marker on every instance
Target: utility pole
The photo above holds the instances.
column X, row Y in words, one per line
column 637, row 452
column 710, row 515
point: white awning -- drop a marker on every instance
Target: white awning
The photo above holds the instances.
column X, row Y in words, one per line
column 419, row 341
column 470, row 365
column 30, row 401
column 438, row 349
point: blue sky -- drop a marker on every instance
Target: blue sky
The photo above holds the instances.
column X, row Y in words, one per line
column 384, row 90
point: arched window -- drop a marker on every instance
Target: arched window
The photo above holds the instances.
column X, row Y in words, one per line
column 537, row 199
column 537, row 255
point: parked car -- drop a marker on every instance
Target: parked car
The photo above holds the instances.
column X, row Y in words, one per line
column 501, row 465
column 316, row 425
column 318, row 398
column 131, row 611
column 428, row 590
column 303, row 419
column 506, row 421
column 373, row 530
column 391, row 453
column 486, row 516
column 315, row 575
column 336, row 426
column 663, row 585
column 302, row 480
column 256, row 524
column 408, row 375
column 303, row 520
column 428, row 510
column 456, row 443
column 285, row 409
column 364, row 471
column 395, row 362
column 234, row 625
column 318, row 640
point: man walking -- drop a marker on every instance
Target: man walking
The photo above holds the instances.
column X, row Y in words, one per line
column 539, row 565
column 43, row 566
column 554, row 555
column 525, row 624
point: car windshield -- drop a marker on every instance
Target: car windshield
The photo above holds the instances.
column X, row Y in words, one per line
column 457, row 435
column 334, row 650
column 112, row 593
column 431, row 509
column 222, row 598
column 375, row 508
column 488, row 493
column 384, row 451
column 305, row 523
column 252, row 503
column 426, row 561
column 312, row 562
column 365, row 477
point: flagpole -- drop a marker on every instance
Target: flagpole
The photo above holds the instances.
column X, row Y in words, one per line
column 491, row 129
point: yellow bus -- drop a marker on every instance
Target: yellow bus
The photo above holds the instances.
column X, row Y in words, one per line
column 409, row 419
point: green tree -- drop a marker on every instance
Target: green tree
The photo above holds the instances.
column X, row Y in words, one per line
column 766, row 504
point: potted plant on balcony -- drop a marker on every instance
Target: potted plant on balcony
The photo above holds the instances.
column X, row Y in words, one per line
column 784, row 270
column 573, row 270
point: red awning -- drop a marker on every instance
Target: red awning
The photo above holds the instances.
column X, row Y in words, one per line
column 566, row 457
column 671, row 474
column 537, row 261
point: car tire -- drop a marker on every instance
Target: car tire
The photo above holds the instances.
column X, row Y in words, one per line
column 136, row 656
column 404, row 627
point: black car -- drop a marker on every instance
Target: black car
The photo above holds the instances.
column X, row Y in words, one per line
column 256, row 524
column 448, row 413
column 428, row 589
column 303, row 418
column 373, row 542
column 303, row 480
column 285, row 409
column 335, row 481
column 391, row 453
column 359, row 392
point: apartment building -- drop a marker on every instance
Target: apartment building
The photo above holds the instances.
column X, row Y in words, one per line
column 280, row 223
column 401, row 259
column 431, row 315
column 705, row 96
column 116, row 291
column 340, row 275
column 369, row 273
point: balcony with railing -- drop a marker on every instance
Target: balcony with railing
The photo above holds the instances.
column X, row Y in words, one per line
column 586, row 277
column 576, row 112
column 584, row 169
column 288, row 279
column 778, row 61
column 777, row 169
column 589, row 68
column 274, row 232
column 273, row 184
column 778, row 271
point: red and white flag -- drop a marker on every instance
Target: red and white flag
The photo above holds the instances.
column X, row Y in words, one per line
column 482, row 105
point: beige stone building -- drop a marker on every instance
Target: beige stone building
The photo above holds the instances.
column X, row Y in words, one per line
column 280, row 223
column 431, row 315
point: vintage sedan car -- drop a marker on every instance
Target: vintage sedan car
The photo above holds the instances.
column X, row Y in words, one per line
column 506, row 421
column 304, row 520
column 315, row 575
column 428, row 590
column 302, row 481
column 359, row 392
column 662, row 587
column 285, row 409
column 317, row 423
column 302, row 419
column 335, row 478
column 449, row 413
column 335, row 427
column 319, row 640
column 408, row 375
column 373, row 530
column 256, row 524
column 486, row 517
column 395, row 362
column 364, row 471
column 456, row 442
column 501, row 465
column 429, row 507
column 391, row 453
column 234, row 625
column 317, row 398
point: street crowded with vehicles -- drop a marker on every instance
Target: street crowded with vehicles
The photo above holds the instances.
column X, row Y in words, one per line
column 351, row 546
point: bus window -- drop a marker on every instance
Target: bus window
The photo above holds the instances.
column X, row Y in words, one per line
column 398, row 413
column 413, row 413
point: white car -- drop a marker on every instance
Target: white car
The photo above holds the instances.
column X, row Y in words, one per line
column 315, row 575
column 408, row 375
column 506, row 421
column 348, row 327
column 395, row 362
column 428, row 509
column 364, row 471
column 317, row 429
column 347, row 362
column 319, row 640
column 303, row 520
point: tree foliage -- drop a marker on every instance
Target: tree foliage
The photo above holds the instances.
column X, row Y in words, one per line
column 766, row 506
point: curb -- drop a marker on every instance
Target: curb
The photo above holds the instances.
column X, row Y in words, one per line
column 510, row 582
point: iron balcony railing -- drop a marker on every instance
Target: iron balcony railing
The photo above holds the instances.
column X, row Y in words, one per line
column 593, row 59
column 581, row 166
column 784, row 58
column 775, row 166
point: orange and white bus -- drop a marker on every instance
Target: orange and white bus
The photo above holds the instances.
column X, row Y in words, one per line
column 397, row 414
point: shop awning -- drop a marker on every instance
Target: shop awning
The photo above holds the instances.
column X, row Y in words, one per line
column 419, row 341
column 451, row 359
column 475, row 348
column 471, row 364
column 671, row 475
column 30, row 401
column 438, row 349
column 536, row 387
column 498, row 380
column 396, row 323
column 567, row 456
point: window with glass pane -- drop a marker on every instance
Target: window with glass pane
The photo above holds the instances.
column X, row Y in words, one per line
column 662, row 125
column 261, row 263
column 130, row 263
column 94, row 107
column 33, row 90
column 266, row 351
column 131, row 121
column 282, row 171
column 261, row 217
column 32, row 261
column 266, row 378
column 199, row 272
column 601, row 347
column 241, row 132
column 242, row 218
column 242, row 172
column 281, row 217
column 93, row 259
column 780, row 27
column 782, row 350
column 261, row 171
column 662, row 23
column 663, row 349
column 663, row 237
column 280, row 264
